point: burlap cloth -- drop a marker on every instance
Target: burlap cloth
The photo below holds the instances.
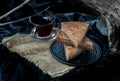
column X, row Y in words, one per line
column 36, row 51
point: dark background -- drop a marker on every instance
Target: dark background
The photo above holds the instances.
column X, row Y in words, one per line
column 15, row 68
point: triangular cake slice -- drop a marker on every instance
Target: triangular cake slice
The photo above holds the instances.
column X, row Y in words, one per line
column 75, row 31
column 72, row 52
column 85, row 43
column 62, row 38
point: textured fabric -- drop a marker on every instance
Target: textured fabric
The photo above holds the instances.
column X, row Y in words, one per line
column 38, row 52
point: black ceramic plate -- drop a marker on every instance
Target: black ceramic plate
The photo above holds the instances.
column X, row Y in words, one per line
column 86, row 58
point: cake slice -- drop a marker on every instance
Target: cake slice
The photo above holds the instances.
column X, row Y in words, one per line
column 75, row 31
column 85, row 43
column 62, row 38
column 72, row 52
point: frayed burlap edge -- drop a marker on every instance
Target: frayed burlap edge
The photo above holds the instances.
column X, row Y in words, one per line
column 36, row 51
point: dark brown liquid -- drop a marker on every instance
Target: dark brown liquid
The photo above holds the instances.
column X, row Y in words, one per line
column 44, row 25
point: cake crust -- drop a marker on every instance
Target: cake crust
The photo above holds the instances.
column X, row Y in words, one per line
column 75, row 31
column 72, row 52
column 86, row 43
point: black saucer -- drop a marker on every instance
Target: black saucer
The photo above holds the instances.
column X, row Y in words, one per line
column 86, row 58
